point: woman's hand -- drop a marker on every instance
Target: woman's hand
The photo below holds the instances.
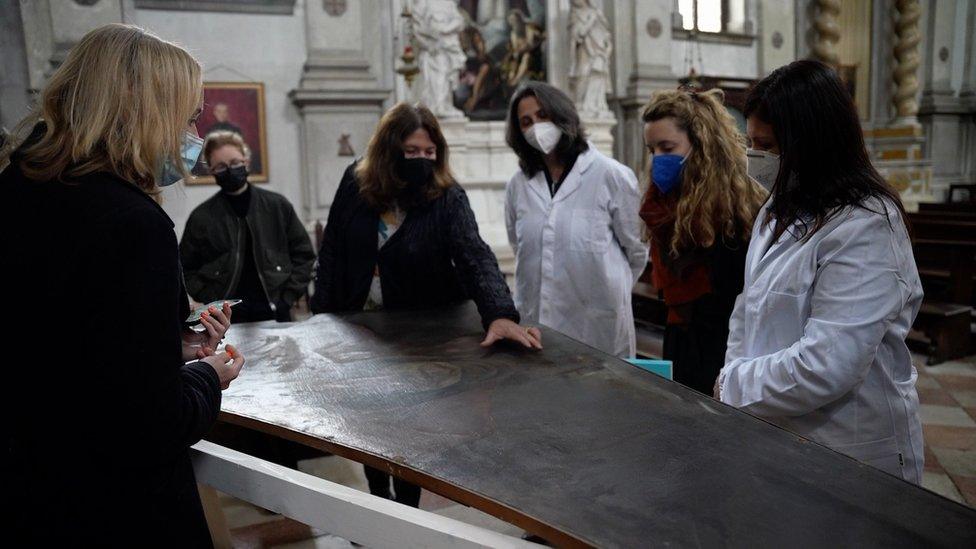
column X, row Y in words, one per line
column 227, row 364
column 216, row 323
column 504, row 328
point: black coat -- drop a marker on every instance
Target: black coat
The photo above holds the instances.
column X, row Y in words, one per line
column 435, row 258
column 213, row 245
column 99, row 409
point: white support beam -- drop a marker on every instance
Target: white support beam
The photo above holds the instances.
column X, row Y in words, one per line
column 339, row 510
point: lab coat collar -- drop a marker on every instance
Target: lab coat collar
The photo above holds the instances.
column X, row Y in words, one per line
column 766, row 250
column 539, row 186
column 574, row 180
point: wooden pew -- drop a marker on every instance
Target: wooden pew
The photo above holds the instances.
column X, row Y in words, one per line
column 963, row 192
column 648, row 302
column 944, row 243
column 945, row 255
column 960, row 209
column 650, row 316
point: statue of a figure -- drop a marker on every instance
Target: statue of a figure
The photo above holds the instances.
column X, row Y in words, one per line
column 590, row 69
column 437, row 26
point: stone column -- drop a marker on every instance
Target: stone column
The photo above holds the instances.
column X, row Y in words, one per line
column 941, row 113
column 52, row 28
column 940, row 33
column 892, row 133
column 642, row 62
column 347, row 80
column 826, row 31
column 906, row 55
column 14, row 83
column 777, row 35
column 967, row 91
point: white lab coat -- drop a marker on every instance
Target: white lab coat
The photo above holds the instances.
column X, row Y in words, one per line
column 578, row 254
column 817, row 338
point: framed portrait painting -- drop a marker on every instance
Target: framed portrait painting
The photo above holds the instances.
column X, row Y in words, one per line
column 237, row 107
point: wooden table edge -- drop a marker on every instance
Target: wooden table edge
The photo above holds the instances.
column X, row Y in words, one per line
column 439, row 486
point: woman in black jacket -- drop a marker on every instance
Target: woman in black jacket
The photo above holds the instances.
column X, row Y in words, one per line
column 401, row 235
column 101, row 405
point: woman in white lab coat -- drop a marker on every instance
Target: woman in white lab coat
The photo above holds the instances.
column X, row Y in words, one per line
column 571, row 214
column 817, row 338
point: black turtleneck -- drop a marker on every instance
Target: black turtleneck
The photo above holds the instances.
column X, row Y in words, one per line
column 255, row 306
column 240, row 202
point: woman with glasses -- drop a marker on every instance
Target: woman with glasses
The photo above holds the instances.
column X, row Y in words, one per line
column 244, row 242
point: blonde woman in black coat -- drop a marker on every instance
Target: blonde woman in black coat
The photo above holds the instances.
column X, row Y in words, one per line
column 105, row 395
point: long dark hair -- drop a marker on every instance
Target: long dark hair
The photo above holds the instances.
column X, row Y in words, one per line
column 824, row 165
column 561, row 112
column 376, row 171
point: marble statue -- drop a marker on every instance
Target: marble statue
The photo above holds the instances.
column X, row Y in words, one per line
column 592, row 45
column 437, row 26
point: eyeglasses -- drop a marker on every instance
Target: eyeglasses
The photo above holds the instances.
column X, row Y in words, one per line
column 222, row 167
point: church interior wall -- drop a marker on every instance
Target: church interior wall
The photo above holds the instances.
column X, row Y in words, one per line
column 310, row 51
column 242, row 47
column 14, row 81
column 725, row 60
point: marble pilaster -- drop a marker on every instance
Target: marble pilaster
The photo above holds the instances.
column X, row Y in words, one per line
column 346, row 83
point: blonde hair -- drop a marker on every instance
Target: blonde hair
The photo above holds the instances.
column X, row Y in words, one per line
column 218, row 139
column 717, row 196
column 120, row 103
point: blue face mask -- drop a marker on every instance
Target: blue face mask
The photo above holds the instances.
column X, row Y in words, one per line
column 666, row 171
column 189, row 153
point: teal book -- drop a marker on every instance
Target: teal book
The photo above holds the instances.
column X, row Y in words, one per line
column 659, row 367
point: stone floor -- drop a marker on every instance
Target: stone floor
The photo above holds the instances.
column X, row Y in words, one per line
column 947, row 393
column 948, row 396
column 252, row 527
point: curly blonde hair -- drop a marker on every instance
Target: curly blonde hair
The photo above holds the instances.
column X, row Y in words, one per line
column 716, row 197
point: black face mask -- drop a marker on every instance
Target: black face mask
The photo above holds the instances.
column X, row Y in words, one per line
column 232, row 179
column 415, row 172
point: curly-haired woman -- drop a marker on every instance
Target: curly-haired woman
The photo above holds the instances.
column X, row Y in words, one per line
column 699, row 209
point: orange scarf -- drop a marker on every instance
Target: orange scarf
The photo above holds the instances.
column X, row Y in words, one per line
column 683, row 279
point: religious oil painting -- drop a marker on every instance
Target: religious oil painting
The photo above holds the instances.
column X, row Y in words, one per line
column 236, row 107
column 504, row 43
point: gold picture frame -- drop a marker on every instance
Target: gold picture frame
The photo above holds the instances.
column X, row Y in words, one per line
column 237, row 107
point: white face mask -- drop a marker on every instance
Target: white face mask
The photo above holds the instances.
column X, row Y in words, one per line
column 763, row 166
column 544, row 136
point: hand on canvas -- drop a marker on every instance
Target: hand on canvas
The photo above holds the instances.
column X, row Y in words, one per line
column 504, row 328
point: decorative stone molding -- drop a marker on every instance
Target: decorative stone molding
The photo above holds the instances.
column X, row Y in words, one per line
column 278, row 7
column 827, row 31
column 906, row 54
